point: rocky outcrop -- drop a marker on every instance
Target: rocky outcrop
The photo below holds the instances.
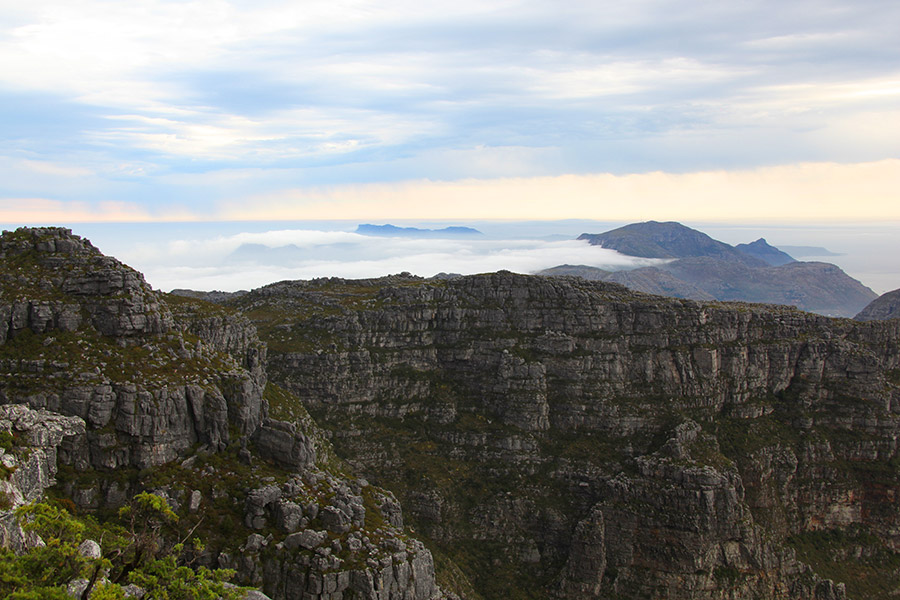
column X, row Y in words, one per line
column 170, row 393
column 334, row 540
column 886, row 306
column 85, row 335
column 28, row 462
column 570, row 436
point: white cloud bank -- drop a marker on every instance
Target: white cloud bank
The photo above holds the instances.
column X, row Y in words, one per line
column 249, row 260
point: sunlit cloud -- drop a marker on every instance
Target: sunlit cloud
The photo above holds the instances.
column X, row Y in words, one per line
column 43, row 211
column 823, row 191
column 470, row 104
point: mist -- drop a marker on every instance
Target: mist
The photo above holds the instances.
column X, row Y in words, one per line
column 248, row 260
column 236, row 255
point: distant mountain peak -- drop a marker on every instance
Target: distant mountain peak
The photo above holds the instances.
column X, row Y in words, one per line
column 701, row 267
column 653, row 239
column 765, row 252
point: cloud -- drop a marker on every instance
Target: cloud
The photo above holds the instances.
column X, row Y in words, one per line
column 820, row 191
column 247, row 260
column 223, row 80
column 164, row 101
column 44, row 211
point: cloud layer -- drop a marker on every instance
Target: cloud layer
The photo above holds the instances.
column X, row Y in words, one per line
column 179, row 108
column 248, row 260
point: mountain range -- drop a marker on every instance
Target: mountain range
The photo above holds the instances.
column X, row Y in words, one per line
column 480, row 437
column 701, row 268
column 389, row 230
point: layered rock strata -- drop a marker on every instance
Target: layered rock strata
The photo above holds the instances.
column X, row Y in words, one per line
column 28, row 463
column 527, row 424
column 170, row 393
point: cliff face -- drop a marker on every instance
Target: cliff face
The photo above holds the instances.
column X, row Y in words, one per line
column 170, row 394
column 558, row 436
column 28, row 463
column 84, row 335
column 551, row 437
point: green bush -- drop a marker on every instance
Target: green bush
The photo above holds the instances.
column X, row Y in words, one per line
column 135, row 550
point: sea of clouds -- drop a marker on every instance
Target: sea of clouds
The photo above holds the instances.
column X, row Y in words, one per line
column 251, row 259
column 237, row 255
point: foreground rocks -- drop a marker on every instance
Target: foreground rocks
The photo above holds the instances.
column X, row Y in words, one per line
column 170, row 394
column 28, row 457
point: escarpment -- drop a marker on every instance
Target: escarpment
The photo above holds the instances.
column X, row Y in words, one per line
column 546, row 437
column 137, row 390
column 85, row 335
column 572, row 438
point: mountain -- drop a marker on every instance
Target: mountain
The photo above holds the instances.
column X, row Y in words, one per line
column 763, row 251
column 170, row 394
column 394, row 231
column 886, row 306
column 665, row 240
column 556, row 437
column 648, row 279
column 703, row 269
column 479, row 437
column 808, row 251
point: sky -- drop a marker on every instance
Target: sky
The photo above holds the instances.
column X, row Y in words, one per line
column 208, row 110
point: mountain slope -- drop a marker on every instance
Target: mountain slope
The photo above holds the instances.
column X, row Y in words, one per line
column 172, row 396
column 565, row 438
column 666, row 240
column 763, row 251
column 886, row 306
column 704, row 268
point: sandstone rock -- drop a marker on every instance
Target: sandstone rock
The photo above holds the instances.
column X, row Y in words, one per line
column 151, row 404
column 488, row 398
column 285, row 443
column 307, row 539
column 90, row 549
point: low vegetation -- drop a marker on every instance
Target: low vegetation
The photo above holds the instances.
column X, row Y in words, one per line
column 139, row 547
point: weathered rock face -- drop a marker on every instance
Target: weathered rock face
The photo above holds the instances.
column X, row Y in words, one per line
column 337, row 543
column 84, row 335
column 28, row 459
column 567, row 437
column 148, row 378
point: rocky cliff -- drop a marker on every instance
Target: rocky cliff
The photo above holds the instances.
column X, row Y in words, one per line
column 85, row 335
column 29, row 440
column 170, row 394
column 572, row 438
column 547, row 437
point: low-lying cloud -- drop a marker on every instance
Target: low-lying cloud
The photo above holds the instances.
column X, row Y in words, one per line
column 249, row 260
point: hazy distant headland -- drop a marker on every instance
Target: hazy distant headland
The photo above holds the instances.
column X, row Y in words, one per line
column 389, row 230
